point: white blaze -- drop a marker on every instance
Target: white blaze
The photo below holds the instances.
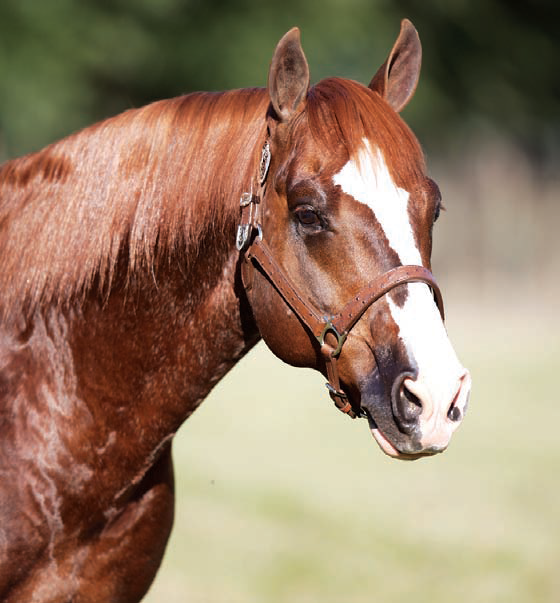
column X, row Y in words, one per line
column 368, row 180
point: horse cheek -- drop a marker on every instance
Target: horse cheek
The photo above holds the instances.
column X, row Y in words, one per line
column 280, row 328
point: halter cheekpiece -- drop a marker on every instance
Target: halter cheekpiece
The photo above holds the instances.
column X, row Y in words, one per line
column 330, row 332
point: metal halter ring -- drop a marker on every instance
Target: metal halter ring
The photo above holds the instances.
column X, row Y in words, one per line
column 340, row 337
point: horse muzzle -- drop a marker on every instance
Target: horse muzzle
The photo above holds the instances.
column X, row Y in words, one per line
column 422, row 418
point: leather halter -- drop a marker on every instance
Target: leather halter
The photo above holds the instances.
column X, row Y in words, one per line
column 329, row 331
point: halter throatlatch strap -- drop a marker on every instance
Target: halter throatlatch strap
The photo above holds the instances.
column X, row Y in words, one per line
column 330, row 332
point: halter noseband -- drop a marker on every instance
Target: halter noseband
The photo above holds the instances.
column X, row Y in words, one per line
column 330, row 331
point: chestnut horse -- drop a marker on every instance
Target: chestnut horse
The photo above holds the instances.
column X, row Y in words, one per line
column 132, row 281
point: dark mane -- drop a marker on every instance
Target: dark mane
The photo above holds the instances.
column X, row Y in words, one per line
column 131, row 184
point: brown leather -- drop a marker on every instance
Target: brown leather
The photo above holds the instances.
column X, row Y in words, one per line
column 342, row 322
column 338, row 325
column 399, row 275
column 325, row 329
column 259, row 251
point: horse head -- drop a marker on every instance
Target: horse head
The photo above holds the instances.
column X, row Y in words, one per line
column 345, row 200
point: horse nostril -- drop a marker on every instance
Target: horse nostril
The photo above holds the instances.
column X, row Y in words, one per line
column 454, row 414
column 410, row 403
column 407, row 407
column 459, row 403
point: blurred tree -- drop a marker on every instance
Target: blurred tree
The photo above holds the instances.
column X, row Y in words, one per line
column 489, row 66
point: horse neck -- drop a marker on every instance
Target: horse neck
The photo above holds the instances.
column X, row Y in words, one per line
column 157, row 324
column 162, row 340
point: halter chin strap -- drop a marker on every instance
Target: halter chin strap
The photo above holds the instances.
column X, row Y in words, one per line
column 330, row 331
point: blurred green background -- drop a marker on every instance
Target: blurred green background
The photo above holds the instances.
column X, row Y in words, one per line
column 280, row 499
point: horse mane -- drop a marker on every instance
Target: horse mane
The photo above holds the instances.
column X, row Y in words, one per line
column 152, row 181
column 147, row 182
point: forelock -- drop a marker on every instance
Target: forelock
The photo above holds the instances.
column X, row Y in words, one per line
column 342, row 112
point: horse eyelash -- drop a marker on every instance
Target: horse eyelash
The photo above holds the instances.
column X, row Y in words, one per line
column 322, row 220
column 438, row 209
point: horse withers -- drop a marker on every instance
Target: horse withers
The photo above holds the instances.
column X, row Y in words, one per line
column 133, row 278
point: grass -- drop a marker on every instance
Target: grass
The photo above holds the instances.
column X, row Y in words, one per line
column 282, row 499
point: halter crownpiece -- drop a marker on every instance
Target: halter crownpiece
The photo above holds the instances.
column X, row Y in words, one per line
column 323, row 328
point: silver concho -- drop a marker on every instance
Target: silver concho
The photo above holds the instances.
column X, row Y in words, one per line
column 246, row 198
column 265, row 163
column 242, row 236
column 244, row 229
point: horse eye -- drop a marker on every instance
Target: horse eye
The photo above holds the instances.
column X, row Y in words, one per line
column 438, row 209
column 307, row 216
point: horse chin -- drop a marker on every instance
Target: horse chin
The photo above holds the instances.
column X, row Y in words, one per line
column 389, row 449
column 370, row 396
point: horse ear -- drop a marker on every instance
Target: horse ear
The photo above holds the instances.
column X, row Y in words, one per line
column 288, row 77
column 397, row 78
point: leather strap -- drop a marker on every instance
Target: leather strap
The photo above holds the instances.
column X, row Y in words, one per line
column 339, row 325
column 342, row 322
column 307, row 313
column 399, row 275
